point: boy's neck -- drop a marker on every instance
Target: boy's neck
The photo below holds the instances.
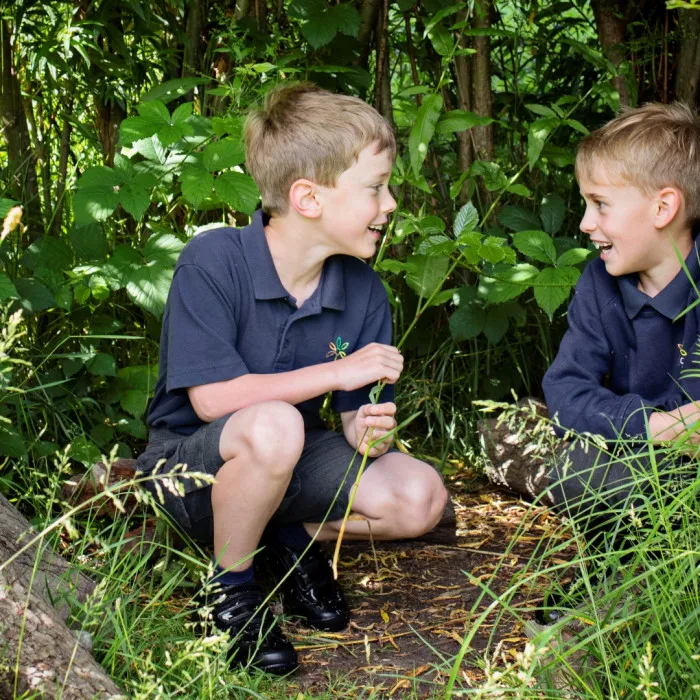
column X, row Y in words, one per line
column 297, row 257
column 653, row 281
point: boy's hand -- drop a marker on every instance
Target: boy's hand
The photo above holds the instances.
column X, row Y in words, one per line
column 372, row 363
column 380, row 417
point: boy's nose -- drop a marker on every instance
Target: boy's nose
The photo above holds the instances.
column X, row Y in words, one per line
column 587, row 224
column 389, row 203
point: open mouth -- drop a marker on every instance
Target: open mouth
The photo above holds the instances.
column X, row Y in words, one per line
column 602, row 246
column 377, row 229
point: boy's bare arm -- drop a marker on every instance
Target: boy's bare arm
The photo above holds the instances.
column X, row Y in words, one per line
column 356, row 426
column 373, row 363
column 679, row 423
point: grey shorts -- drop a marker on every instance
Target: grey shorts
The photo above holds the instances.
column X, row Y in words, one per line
column 320, row 476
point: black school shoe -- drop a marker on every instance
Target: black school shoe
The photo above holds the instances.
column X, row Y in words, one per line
column 310, row 591
column 257, row 638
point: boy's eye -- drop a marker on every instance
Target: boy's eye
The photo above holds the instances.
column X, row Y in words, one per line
column 377, row 187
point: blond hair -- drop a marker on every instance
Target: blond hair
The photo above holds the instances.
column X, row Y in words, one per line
column 303, row 131
column 650, row 147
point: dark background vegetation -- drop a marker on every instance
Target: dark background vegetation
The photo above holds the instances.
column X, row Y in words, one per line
column 121, row 136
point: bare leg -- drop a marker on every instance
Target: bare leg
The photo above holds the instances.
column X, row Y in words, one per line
column 398, row 496
column 261, row 445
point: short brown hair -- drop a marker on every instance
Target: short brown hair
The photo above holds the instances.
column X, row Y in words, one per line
column 303, row 131
column 649, row 147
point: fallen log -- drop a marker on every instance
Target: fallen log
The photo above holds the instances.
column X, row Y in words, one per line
column 39, row 655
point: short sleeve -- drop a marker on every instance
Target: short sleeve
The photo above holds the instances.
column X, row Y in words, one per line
column 202, row 327
column 376, row 329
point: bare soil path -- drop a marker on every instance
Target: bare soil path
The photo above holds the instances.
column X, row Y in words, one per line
column 413, row 603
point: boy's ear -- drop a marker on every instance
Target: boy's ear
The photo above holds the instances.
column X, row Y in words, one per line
column 302, row 197
column 669, row 201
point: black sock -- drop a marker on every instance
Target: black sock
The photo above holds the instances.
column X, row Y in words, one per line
column 232, row 578
column 293, row 535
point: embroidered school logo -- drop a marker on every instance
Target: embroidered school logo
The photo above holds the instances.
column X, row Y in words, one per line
column 337, row 349
column 692, row 371
column 683, row 353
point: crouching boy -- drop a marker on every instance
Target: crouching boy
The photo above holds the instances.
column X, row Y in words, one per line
column 260, row 324
column 627, row 368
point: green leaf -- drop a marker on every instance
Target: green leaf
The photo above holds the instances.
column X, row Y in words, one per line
column 148, row 287
column 84, row 451
column 120, row 265
column 536, row 137
column 97, row 195
column 89, row 242
column 196, row 183
column 516, row 218
column 155, row 111
column 134, row 402
column 182, row 113
column 426, row 273
column 223, row 154
column 553, row 286
column 467, row 322
column 536, row 245
column 491, row 252
column 7, row 289
column 496, row 323
column 136, row 129
column 135, row 200
column 467, row 219
column 6, row 205
column 442, row 39
column 163, row 249
column 48, row 252
column 319, row 33
column 541, row 110
column 575, row 124
column 34, row 296
column 552, row 213
column 239, row 191
column 423, row 130
column 172, row 89
column 459, row 120
column 346, row 18
column 11, row 444
column 102, row 365
column 374, row 393
column 573, row 256
column 519, row 189
column 508, row 283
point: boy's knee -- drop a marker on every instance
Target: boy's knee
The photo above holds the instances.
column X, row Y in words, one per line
column 275, row 436
column 419, row 502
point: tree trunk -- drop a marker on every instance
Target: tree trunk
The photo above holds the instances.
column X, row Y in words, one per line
column 382, row 87
column 21, row 161
column 51, row 661
column 611, row 22
column 464, row 101
column 687, row 83
column 481, row 81
column 369, row 10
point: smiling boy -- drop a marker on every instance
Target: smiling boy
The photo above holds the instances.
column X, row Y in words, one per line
column 624, row 367
column 260, row 324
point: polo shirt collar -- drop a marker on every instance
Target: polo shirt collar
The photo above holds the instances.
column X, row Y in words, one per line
column 266, row 281
column 672, row 299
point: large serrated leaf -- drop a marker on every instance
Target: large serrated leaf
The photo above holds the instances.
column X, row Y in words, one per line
column 148, row 287
column 467, row 322
column 102, row 365
column 466, row 220
column 537, row 245
column 238, row 190
column 196, row 183
column 172, row 89
column 423, row 130
column 163, row 249
column 552, row 213
column 135, row 200
column 48, row 252
column 346, row 19
column 11, row 444
column 94, row 204
column 516, row 218
column 553, row 286
column 507, row 283
column 496, row 323
column 34, row 296
column 319, row 32
column 223, row 154
column 573, row 256
column 427, row 273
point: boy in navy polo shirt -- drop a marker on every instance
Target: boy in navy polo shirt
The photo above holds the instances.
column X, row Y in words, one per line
column 627, row 368
column 260, row 324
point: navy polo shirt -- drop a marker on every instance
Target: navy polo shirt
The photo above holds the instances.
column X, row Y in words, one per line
column 228, row 315
column 624, row 355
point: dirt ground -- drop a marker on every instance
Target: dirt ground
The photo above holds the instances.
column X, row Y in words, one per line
column 413, row 603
